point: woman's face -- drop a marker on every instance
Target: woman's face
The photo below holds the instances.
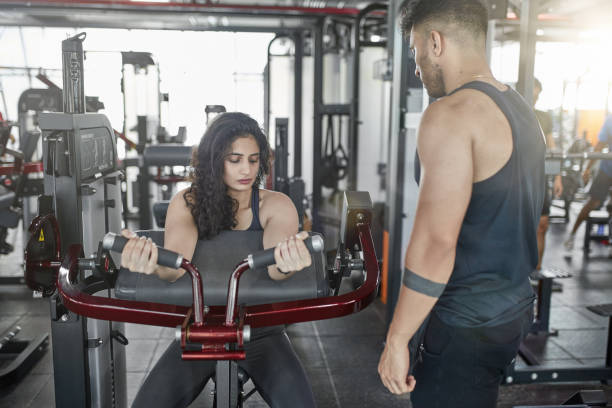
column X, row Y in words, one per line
column 241, row 164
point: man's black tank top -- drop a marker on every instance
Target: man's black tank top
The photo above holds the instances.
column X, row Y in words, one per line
column 497, row 247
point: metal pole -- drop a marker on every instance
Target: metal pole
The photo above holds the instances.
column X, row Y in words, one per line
column 298, row 41
column 396, row 176
column 529, row 21
column 318, row 118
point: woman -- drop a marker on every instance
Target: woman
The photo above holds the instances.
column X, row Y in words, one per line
column 229, row 165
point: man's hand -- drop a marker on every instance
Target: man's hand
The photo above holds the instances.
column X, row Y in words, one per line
column 558, row 186
column 393, row 369
column 586, row 176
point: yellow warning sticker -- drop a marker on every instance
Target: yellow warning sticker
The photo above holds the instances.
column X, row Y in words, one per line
column 41, row 237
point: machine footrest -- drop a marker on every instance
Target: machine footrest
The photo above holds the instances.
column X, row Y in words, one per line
column 550, row 273
column 18, row 356
column 602, row 310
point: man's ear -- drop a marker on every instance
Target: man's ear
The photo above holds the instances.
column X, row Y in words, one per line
column 436, row 43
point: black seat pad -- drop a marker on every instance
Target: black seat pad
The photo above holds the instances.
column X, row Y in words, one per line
column 216, row 259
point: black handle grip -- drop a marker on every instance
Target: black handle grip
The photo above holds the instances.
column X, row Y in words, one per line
column 116, row 242
column 265, row 258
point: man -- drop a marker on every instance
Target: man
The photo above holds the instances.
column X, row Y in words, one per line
column 601, row 184
column 546, row 123
column 473, row 242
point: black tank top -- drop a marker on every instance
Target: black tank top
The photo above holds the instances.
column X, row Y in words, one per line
column 497, row 247
column 260, row 332
column 255, row 224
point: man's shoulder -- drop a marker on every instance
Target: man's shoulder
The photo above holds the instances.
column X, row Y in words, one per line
column 457, row 113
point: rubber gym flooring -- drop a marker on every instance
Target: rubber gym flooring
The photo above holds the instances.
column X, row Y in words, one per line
column 341, row 355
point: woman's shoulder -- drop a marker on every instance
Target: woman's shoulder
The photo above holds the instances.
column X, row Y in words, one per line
column 273, row 202
column 180, row 199
column 273, row 198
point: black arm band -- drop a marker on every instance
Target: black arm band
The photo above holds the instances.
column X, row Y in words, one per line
column 422, row 285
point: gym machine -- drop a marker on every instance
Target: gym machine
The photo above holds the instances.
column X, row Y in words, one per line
column 20, row 178
column 217, row 321
column 68, row 260
column 145, row 185
column 20, row 181
column 81, row 203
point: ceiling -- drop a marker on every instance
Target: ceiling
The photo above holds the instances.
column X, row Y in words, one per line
column 234, row 15
column 560, row 20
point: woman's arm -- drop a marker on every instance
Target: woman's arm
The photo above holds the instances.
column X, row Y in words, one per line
column 280, row 223
column 181, row 236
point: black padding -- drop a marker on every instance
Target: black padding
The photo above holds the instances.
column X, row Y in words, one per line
column 159, row 213
column 167, row 155
column 216, row 260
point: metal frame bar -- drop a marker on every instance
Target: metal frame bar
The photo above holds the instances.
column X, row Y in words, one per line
column 396, row 171
column 317, row 192
column 353, row 138
column 158, row 314
column 175, row 7
column 298, row 41
column 529, row 22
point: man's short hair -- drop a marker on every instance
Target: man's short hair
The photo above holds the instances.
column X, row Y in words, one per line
column 469, row 15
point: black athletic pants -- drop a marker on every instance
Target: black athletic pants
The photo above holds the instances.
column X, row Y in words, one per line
column 271, row 363
column 463, row 367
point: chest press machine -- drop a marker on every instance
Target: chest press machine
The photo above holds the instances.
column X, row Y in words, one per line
column 68, row 259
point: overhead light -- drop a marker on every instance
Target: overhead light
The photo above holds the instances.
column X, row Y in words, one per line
column 212, row 20
column 375, row 38
column 224, row 21
column 539, row 32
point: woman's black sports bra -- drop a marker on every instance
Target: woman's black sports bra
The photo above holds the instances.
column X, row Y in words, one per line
column 255, row 224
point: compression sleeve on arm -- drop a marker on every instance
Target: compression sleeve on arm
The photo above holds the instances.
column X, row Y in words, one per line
column 422, row 285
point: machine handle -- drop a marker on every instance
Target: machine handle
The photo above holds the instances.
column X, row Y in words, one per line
column 315, row 244
column 116, row 242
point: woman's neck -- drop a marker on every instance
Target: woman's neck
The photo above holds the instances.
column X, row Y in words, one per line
column 243, row 197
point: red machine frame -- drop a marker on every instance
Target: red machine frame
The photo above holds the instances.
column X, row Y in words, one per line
column 214, row 327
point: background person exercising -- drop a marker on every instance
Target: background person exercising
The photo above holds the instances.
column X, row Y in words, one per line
column 473, row 243
column 545, row 120
column 601, row 184
column 229, row 166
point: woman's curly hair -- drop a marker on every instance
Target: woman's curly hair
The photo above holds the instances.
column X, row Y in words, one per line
column 211, row 206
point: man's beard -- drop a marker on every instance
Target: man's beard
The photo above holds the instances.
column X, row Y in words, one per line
column 433, row 79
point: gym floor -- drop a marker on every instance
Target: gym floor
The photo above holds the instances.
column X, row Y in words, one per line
column 341, row 355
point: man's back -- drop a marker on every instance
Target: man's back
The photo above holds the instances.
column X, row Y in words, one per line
column 496, row 248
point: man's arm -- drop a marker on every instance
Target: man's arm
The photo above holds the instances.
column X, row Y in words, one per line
column 445, row 150
column 446, row 186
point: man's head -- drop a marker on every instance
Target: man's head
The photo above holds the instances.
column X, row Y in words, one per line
column 437, row 26
column 537, row 89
